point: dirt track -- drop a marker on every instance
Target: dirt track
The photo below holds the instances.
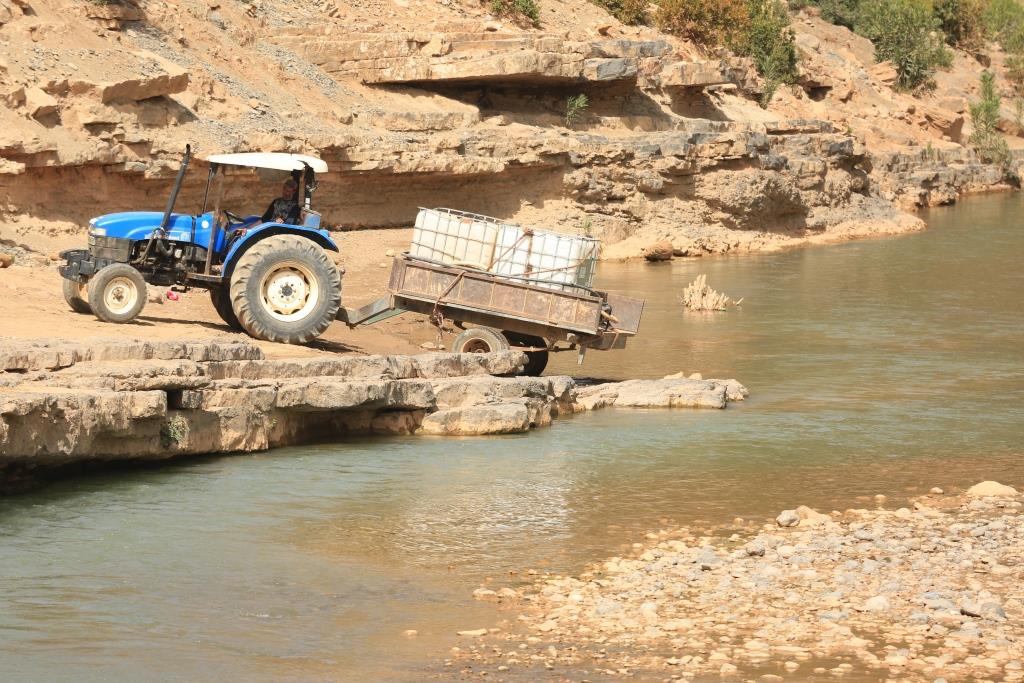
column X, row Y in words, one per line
column 32, row 306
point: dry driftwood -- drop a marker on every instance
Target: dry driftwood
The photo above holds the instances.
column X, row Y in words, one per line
column 699, row 297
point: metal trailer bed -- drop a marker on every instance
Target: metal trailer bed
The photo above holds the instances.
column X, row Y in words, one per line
column 580, row 317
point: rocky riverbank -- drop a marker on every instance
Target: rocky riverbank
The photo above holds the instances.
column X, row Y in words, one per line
column 929, row 592
column 66, row 403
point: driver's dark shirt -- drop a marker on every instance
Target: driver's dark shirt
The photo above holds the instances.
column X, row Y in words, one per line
column 286, row 208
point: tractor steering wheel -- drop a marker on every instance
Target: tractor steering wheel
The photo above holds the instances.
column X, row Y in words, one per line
column 232, row 217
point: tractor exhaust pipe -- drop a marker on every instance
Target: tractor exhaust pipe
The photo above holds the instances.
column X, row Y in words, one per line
column 177, row 188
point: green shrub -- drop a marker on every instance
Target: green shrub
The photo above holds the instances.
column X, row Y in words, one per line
column 986, row 139
column 963, row 22
column 841, row 12
column 707, row 22
column 1003, row 19
column 906, row 33
column 174, row 431
column 1015, row 70
column 574, row 108
column 632, row 12
column 521, row 8
column 770, row 42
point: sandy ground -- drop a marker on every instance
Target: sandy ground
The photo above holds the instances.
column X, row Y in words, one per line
column 33, row 307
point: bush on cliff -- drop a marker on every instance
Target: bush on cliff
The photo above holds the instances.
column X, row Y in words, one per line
column 986, row 139
column 517, row 8
column 706, row 22
column 1003, row 20
column 759, row 29
column 840, row 12
column 963, row 22
column 632, row 12
column 770, row 42
column 906, row 33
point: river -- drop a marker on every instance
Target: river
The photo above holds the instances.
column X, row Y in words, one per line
column 879, row 367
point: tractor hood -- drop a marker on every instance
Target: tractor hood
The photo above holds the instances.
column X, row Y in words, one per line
column 139, row 225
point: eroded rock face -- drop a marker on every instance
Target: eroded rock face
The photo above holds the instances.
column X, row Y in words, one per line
column 671, row 145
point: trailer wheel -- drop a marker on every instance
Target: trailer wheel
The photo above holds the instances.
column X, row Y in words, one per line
column 285, row 289
column 117, row 293
column 479, row 340
column 221, row 299
column 536, row 361
column 77, row 296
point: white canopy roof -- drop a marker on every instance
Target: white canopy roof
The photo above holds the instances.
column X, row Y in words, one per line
column 279, row 161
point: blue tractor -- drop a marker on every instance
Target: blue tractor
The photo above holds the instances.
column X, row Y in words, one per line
column 270, row 278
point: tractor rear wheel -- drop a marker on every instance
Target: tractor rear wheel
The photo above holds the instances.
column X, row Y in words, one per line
column 221, row 300
column 285, row 289
column 117, row 293
column 536, row 361
column 77, row 296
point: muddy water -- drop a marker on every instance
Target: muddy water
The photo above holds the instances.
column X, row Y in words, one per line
column 888, row 367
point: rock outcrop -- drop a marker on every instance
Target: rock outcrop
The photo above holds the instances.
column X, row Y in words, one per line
column 63, row 402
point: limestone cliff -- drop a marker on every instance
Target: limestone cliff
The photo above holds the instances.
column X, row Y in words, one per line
column 415, row 102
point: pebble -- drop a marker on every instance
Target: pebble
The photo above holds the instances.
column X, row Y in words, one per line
column 787, row 518
column 473, row 633
column 878, row 603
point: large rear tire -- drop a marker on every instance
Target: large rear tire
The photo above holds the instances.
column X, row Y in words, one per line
column 221, row 299
column 479, row 340
column 285, row 289
column 117, row 293
column 76, row 294
column 536, row 361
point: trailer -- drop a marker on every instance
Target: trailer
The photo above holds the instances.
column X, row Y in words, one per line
column 498, row 312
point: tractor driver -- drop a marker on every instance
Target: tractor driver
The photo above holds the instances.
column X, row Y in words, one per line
column 284, row 209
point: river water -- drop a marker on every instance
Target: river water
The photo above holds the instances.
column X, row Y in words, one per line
column 879, row 367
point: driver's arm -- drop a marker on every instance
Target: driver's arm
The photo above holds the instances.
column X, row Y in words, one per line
column 268, row 215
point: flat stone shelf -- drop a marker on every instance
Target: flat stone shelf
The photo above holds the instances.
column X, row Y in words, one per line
column 67, row 403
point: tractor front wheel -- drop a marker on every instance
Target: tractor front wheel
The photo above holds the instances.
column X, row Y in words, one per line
column 285, row 289
column 77, row 296
column 221, row 299
column 117, row 293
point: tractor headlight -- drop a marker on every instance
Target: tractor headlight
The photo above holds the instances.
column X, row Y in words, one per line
column 98, row 232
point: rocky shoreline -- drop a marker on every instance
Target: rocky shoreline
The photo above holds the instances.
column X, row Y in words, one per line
column 66, row 403
column 927, row 593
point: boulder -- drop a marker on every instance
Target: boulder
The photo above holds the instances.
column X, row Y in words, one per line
column 154, row 77
column 494, row 418
column 993, row 489
column 659, row 251
column 660, row 393
column 884, row 72
column 6, row 260
column 787, row 518
column 811, row 517
column 945, row 121
column 39, row 103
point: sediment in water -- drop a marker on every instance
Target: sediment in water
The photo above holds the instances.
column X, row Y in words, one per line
column 64, row 403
